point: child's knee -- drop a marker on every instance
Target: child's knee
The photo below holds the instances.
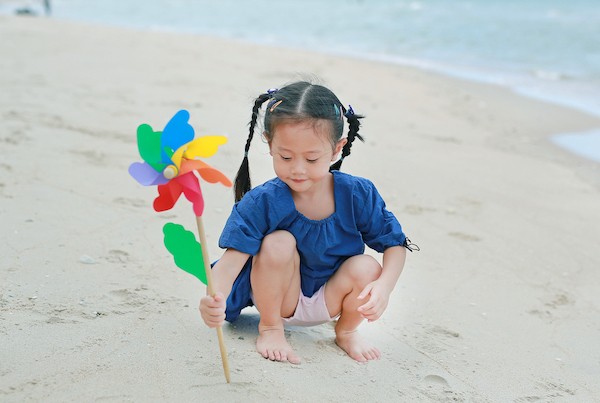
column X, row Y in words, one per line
column 278, row 246
column 364, row 269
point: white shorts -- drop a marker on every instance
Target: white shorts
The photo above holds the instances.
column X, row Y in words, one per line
column 310, row 311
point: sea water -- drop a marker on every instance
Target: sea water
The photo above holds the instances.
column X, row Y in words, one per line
column 547, row 49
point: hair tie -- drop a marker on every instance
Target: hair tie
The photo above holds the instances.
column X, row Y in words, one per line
column 350, row 112
column 272, row 91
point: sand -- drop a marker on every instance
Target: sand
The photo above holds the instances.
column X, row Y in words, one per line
column 501, row 304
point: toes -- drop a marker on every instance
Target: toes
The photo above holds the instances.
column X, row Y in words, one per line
column 293, row 359
column 275, row 355
column 283, row 356
column 372, row 354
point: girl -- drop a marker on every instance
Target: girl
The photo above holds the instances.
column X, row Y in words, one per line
column 295, row 245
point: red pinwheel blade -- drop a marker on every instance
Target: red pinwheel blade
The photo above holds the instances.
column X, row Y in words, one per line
column 167, row 195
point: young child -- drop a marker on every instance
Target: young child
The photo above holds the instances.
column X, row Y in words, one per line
column 295, row 244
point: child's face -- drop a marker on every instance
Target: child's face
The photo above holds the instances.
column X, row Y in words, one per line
column 302, row 153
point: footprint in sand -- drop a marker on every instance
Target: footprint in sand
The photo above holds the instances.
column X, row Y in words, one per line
column 129, row 298
column 444, row 332
column 437, row 339
column 14, row 137
column 447, row 139
column 549, row 391
column 436, row 380
column 552, row 307
column 559, row 300
column 117, row 256
column 131, row 202
column 93, row 157
column 414, row 209
column 464, row 237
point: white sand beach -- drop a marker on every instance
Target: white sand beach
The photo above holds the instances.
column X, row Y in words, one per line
column 501, row 304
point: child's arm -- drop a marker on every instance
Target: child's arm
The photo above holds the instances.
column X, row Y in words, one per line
column 380, row 289
column 224, row 274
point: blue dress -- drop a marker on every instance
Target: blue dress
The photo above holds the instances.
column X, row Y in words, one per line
column 360, row 218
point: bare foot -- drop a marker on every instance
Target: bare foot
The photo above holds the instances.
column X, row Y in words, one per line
column 356, row 347
column 271, row 344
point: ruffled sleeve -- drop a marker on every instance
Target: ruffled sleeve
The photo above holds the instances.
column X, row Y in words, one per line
column 379, row 227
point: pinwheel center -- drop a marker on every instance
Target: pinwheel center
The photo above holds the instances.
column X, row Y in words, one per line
column 170, row 172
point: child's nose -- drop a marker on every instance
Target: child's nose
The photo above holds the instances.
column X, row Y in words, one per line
column 298, row 167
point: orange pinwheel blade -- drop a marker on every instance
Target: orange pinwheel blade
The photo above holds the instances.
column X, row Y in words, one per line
column 208, row 173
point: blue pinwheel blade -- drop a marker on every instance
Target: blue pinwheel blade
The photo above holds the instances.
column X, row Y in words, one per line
column 176, row 133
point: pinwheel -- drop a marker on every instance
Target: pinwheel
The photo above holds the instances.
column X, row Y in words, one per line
column 170, row 159
column 171, row 163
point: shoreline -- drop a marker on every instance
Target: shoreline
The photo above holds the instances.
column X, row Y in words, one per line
column 533, row 82
column 499, row 305
column 485, row 76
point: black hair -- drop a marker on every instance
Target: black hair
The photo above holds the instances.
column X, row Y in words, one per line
column 299, row 101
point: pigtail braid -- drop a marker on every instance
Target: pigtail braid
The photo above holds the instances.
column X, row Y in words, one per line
column 353, row 127
column 242, row 182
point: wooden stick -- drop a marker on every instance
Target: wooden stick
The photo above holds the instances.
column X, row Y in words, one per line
column 211, row 292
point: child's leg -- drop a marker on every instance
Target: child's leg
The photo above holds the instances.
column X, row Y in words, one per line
column 275, row 279
column 341, row 294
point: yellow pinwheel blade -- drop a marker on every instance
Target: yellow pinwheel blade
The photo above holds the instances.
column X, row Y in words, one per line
column 177, row 155
column 204, row 147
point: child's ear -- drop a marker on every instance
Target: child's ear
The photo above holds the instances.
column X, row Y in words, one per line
column 338, row 148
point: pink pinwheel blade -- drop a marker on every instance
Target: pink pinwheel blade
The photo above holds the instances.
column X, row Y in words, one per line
column 146, row 175
column 191, row 190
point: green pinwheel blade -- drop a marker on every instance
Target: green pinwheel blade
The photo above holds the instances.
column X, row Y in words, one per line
column 149, row 146
column 186, row 251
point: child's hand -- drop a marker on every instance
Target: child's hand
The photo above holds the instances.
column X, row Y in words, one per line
column 379, row 296
column 212, row 310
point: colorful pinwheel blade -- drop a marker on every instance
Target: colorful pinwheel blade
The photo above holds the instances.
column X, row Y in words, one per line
column 146, row 175
column 213, row 175
column 177, row 132
column 149, row 146
column 204, row 147
column 191, row 189
column 167, row 195
column 186, row 251
column 177, row 155
column 207, row 172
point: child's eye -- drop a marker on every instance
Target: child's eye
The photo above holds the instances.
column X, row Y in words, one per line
column 285, row 158
column 312, row 161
